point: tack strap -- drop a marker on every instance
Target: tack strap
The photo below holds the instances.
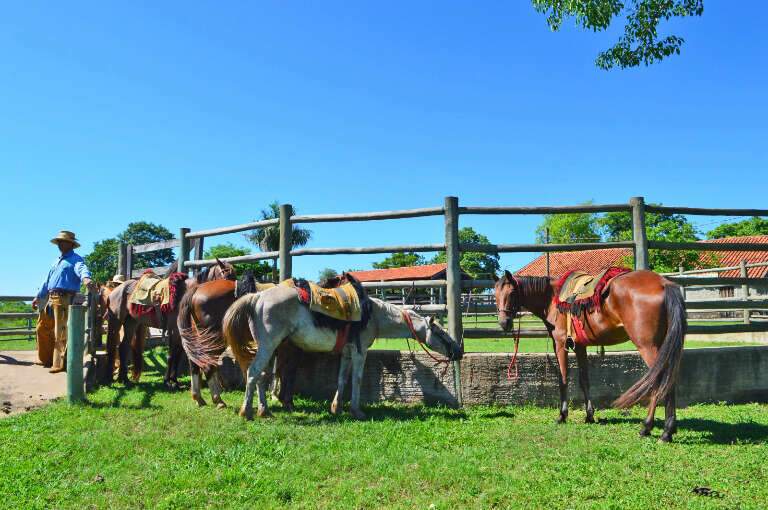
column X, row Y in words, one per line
column 409, row 323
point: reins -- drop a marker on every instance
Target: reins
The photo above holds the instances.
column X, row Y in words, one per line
column 409, row 323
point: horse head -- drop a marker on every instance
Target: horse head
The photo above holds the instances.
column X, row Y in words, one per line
column 427, row 331
column 222, row 271
column 508, row 299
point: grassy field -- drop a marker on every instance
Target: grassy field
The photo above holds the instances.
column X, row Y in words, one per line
column 143, row 447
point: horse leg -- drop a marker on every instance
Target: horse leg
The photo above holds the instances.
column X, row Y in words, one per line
column 175, row 354
column 345, row 365
column 194, row 387
column 358, row 364
column 129, row 331
column 670, row 419
column 257, row 377
column 649, row 356
column 113, row 344
column 214, row 384
column 562, row 361
column 581, row 359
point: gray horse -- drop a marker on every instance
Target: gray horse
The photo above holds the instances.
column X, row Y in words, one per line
column 256, row 324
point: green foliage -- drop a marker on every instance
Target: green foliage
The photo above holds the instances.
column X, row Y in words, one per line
column 754, row 226
column 641, row 42
column 476, row 264
column 401, row 260
column 326, row 273
column 102, row 261
column 617, row 226
column 260, row 269
column 268, row 238
column 568, row 228
column 142, row 232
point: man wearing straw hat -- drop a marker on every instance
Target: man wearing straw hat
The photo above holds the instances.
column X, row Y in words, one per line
column 54, row 298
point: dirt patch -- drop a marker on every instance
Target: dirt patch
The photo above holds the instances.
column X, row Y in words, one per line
column 25, row 386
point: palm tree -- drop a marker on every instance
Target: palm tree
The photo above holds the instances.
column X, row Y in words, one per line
column 268, row 238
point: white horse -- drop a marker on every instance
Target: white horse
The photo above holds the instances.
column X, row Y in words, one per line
column 257, row 323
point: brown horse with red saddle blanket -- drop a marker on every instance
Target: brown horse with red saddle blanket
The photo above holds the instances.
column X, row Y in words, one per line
column 136, row 318
column 640, row 306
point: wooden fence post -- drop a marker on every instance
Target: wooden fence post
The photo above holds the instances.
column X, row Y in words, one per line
column 286, row 235
column 453, row 283
column 183, row 249
column 199, row 250
column 129, row 261
column 75, row 341
column 638, row 232
column 744, row 288
column 122, row 260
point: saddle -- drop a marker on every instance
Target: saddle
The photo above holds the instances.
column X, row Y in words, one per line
column 580, row 293
column 338, row 303
column 151, row 290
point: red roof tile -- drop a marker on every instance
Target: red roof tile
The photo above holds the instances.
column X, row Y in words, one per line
column 732, row 258
column 591, row 261
column 424, row 272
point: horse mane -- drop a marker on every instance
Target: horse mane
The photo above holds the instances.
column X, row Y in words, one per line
column 534, row 286
column 246, row 284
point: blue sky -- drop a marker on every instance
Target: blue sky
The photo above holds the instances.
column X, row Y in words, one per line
column 199, row 114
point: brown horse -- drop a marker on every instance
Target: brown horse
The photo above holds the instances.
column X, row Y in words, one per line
column 640, row 306
column 200, row 316
column 135, row 326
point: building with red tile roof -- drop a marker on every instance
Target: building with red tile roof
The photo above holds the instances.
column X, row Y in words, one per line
column 591, row 261
column 733, row 258
column 594, row 261
column 423, row 272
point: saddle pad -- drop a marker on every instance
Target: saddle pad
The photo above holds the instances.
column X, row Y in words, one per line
column 579, row 285
column 261, row 287
column 143, row 292
column 340, row 303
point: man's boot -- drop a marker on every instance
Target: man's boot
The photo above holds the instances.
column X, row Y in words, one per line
column 58, row 363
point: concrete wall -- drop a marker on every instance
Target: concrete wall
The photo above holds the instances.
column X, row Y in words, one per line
column 730, row 374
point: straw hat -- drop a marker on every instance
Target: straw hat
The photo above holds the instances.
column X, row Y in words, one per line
column 117, row 279
column 66, row 235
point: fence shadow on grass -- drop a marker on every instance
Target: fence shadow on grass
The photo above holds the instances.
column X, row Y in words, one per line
column 315, row 412
column 712, row 432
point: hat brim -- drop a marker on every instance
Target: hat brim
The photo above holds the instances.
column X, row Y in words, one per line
column 57, row 240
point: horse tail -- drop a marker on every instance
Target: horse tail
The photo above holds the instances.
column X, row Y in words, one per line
column 660, row 378
column 137, row 352
column 202, row 345
column 240, row 331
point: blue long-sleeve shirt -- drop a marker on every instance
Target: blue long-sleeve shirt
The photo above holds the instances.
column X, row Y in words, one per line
column 66, row 274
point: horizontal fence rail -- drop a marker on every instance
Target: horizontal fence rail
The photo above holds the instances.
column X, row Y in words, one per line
column 557, row 209
column 382, row 215
column 159, row 245
column 17, row 298
column 536, row 248
column 255, row 257
column 701, row 211
column 232, row 229
column 705, row 246
column 369, row 249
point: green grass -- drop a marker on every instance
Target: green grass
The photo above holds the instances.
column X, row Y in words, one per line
column 143, row 447
column 539, row 345
column 17, row 345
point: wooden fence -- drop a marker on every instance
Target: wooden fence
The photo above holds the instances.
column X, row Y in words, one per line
column 453, row 284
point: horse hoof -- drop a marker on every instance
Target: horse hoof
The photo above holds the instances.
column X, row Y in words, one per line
column 199, row 401
column 562, row 419
column 221, row 405
column 288, row 407
column 335, row 408
column 645, row 433
column 590, row 419
column 358, row 415
column 666, row 437
column 246, row 413
column 264, row 413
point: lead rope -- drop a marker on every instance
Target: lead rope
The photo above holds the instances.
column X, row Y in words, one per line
column 513, row 361
column 437, row 360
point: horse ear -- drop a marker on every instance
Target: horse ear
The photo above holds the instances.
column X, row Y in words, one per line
column 508, row 276
column 219, row 262
column 495, row 278
column 431, row 319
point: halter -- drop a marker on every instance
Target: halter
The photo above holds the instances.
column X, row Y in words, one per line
column 514, row 312
column 415, row 336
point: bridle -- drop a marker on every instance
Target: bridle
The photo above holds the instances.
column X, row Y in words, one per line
column 415, row 336
column 513, row 310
